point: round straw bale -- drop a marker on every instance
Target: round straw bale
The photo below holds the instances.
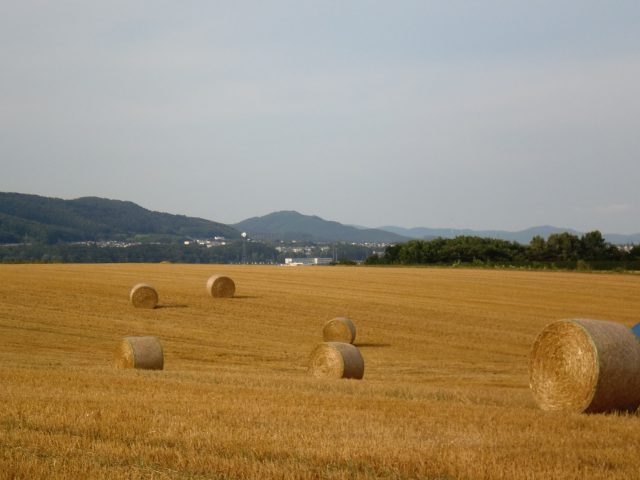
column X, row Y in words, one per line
column 220, row 286
column 143, row 296
column 140, row 352
column 586, row 366
column 336, row 360
column 339, row 329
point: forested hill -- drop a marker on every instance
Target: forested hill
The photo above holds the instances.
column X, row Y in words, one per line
column 32, row 218
column 291, row 225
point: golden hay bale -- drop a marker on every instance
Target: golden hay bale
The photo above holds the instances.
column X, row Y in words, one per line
column 220, row 286
column 585, row 366
column 143, row 296
column 140, row 352
column 339, row 329
column 336, row 360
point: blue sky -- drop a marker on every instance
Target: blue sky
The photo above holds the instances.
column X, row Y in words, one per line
column 487, row 115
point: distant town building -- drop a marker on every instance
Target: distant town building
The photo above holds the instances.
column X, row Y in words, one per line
column 307, row 261
column 216, row 242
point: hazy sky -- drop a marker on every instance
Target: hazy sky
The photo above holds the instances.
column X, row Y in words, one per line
column 479, row 114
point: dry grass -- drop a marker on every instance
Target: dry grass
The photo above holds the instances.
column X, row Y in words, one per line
column 445, row 393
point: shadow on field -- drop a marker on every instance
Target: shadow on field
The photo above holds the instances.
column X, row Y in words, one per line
column 372, row 345
column 244, row 296
column 172, row 305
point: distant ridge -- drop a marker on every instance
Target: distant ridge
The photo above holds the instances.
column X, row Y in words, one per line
column 51, row 220
column 521, row 236
column 34, row 218
column 290, row 225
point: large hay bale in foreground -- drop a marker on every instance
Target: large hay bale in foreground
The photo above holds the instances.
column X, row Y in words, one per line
column 221, row 286
column 586, row 366
column 140, row 352
column 143, row 296
column 336, row 360
column 339, row 329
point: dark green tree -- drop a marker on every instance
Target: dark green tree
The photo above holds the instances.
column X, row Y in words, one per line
column 537, row 249
column 563, row 247
column 593, row 246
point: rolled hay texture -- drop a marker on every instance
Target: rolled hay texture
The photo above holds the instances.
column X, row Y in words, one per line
column 589, row 366
column 140, row 352
column 220, row 286
column 143, row 296
column 336, row 360
column 339, row 329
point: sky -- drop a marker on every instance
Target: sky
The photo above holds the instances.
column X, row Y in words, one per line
column 446, row 114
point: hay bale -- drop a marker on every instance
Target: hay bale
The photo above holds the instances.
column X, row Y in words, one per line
column 140, row 352
column 220, row 286
column 143, row 296
column 586, row 366
column 339, row 329
column 336, row 360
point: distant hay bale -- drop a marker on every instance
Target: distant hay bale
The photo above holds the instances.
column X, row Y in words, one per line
column 143, row 296
column 339, row 329
column 221, row 286
column 140, row 352
column 336, row 360
column 586, row 366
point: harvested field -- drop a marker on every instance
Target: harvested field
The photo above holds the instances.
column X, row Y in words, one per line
column 445, row 394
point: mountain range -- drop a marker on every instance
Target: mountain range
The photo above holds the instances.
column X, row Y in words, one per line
column 522, row 236
column 291, row 225
column 50, row 220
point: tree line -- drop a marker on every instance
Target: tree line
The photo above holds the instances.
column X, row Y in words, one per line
column 233, row 252
column 560, row 250
column 563, row 250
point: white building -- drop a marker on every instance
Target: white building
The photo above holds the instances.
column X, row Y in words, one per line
column 307, row 261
